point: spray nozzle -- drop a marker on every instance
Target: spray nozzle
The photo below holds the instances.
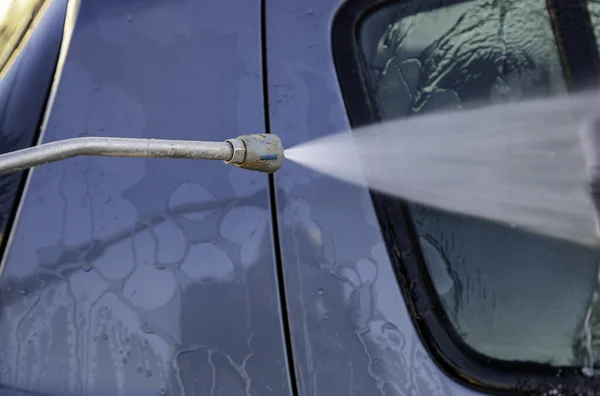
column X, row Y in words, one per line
column 259, row 152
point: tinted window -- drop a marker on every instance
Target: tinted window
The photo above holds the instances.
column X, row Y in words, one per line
column 507, row 294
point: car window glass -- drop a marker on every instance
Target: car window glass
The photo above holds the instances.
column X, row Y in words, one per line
column 508, row 294
column 594, row 9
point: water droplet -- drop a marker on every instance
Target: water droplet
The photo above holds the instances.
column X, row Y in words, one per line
column 326, row 316
column 148, row 373
column 87, row 266
column 105, row 337
column 375, row 362
column 389, row 326
column 129, row 17
column 320, row 292
column 587, row 371
column 513, row 225
column 124, row 360
column 163, row 392
column 9, row 288
column 139, row 370
column 23, row 291
column 310, row 11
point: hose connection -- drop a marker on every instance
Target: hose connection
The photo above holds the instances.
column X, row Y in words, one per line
column 258, row 152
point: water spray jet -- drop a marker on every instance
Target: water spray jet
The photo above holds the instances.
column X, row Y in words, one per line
column 522, row 164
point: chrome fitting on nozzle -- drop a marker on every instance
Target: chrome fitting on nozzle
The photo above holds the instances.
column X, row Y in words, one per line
column 259, row 152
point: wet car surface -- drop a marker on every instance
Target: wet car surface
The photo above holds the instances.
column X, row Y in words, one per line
column 148, row 277
column 173, row 277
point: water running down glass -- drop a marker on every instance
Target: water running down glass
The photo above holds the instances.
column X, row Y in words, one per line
column 525, row 165
column 509, row 294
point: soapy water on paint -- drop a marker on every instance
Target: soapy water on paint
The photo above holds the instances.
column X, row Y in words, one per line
column 524, row 164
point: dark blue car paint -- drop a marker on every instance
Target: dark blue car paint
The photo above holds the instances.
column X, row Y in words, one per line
column 24, row 90
column 127, row 276
column 351, row 330
column 141, row 277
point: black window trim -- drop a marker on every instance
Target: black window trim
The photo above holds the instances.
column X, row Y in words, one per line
column 465, row 365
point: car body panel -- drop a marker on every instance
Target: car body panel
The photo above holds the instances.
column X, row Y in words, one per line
column 25, row 83
column 350, row 327
column 130, row 276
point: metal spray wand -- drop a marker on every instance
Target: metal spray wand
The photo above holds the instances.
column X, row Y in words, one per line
column 258, row 152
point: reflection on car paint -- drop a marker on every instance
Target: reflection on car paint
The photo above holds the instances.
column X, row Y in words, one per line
column 24, row 85
column 18, row 18
column 148, row 276
column 351, row 331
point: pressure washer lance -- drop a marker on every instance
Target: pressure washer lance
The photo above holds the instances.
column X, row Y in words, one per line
column 259, row 152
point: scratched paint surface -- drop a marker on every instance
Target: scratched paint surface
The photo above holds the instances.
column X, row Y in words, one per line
column 351, row 332
column 130, row 276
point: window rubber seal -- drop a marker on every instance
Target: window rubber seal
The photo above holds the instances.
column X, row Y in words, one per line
column 453, row 356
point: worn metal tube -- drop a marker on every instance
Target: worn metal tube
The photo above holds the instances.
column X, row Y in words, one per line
column 113, row 147
column 259, row 152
